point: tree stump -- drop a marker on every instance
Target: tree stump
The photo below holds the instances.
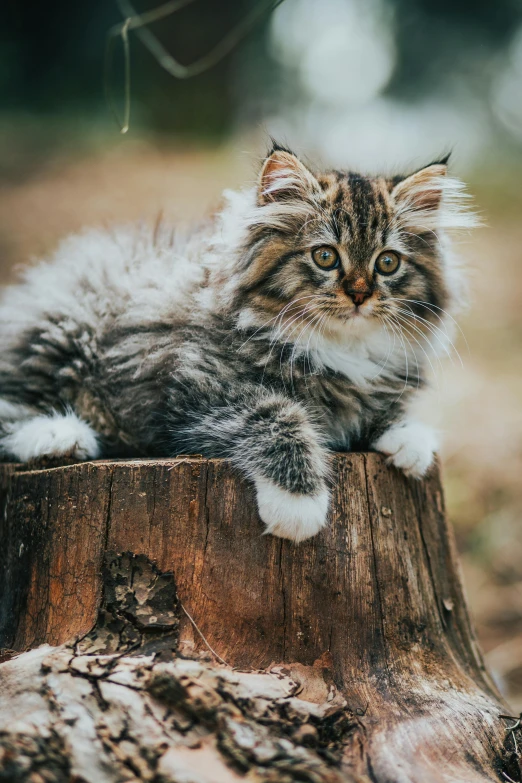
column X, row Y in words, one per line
column 357, row 644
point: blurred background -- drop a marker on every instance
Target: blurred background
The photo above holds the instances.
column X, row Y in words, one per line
column 370, row 84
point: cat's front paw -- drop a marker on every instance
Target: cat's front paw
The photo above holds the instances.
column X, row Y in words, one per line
column 410, row 446
column 290, row 515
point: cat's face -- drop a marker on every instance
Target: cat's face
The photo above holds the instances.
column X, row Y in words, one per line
column 344, row 251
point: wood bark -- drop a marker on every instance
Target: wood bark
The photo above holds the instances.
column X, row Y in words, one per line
column 210, row 652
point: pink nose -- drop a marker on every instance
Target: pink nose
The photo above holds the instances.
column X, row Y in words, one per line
column 358, row 297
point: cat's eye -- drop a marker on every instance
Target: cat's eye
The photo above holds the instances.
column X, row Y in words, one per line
column 326, row 257
column 387, row 263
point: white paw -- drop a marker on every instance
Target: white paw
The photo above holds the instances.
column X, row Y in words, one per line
column 289, row 515
column 410, row 445
column 55, row 435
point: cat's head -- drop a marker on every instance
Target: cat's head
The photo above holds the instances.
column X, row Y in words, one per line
column 347, row 251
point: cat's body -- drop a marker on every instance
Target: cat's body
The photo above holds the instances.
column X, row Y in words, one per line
column 234, row 342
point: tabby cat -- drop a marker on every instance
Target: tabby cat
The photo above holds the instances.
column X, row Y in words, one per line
column 300, row 319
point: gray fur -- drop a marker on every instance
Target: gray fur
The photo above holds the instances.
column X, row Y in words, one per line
column 177, row 345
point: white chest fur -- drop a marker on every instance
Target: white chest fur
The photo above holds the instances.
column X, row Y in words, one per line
column 361, row 358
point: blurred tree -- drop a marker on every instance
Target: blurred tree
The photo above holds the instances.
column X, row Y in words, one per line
column 438, row 38
column 51, row 57
column 52, row 61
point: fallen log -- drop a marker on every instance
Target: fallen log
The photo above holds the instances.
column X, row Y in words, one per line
column 183, row 645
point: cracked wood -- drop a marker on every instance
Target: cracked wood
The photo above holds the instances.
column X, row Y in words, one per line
column 373, row 603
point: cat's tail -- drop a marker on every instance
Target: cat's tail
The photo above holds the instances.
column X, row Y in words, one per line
column 27, row 434
column 11, row 412
column 12, row 416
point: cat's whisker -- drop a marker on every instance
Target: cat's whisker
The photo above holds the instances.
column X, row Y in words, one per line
column 430, row 306
column 310, row 320
column 425, row 230
column 407, row 327
column 295, row 319
column 388, row 323
column 444, row 341
column 265, row 325
column 279, row 333
column 301, row 323
column 307, row 350
column 435, row 330
column 408, row 302
column 409, row 314
column 318, row 330
column 415, row 315
column 320, row 317
column 398, row 331
column 293, row 354
column 286, row 311
column 417, row 236
column 406, row 340
column 390, row 351
column 277, row 337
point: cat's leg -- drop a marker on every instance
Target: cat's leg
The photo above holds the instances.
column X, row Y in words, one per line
column 410, row 445
column 47, row 435
column 273, row 442
column 281, row 451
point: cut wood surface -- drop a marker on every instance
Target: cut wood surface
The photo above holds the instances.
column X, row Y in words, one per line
column 366, row 622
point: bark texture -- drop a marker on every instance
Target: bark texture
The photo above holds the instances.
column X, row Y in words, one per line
column 347, row 658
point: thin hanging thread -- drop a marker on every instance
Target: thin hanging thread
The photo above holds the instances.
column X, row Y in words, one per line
column 138, row 22
column 214, row 653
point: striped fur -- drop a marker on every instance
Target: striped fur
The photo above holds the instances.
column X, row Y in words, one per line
column 231, row 341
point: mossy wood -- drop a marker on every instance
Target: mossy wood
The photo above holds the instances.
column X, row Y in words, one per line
column 371, row 610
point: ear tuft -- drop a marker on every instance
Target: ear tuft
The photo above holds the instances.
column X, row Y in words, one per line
column 442, row 161
column 277, row 147
column 422, row 190
column 430, row 200
column 284, row 177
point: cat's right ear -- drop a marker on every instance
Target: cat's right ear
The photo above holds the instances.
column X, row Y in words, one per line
column 284, row 178
column 429, row 199
column 422, row 191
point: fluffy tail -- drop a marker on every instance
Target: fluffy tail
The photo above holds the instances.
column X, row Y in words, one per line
column 26, row 434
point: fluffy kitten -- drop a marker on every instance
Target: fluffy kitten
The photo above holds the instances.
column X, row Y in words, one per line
column 300, row 320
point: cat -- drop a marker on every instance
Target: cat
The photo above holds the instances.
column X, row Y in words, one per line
column 299, row 320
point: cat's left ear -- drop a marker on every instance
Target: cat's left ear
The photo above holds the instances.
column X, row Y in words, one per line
column 422, row 190
column 430, row 199
column 283, row 178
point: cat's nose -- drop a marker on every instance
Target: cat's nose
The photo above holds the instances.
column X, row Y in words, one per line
column 358, row 295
